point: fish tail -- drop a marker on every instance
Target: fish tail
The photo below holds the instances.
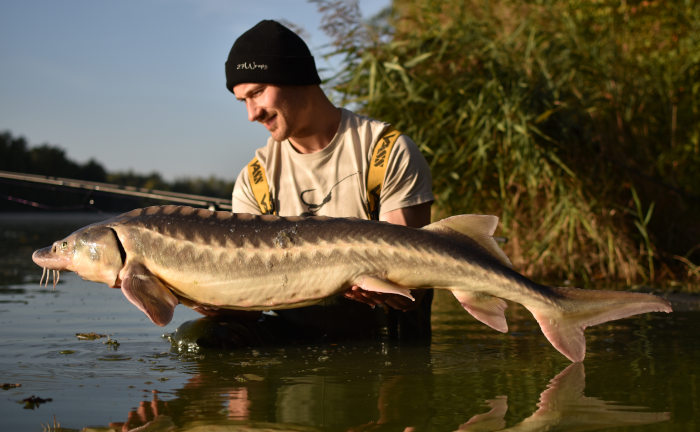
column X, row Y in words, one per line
column 564, row 321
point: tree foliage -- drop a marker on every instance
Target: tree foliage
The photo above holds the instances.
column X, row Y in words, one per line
column 577, row 122
column 18, row 156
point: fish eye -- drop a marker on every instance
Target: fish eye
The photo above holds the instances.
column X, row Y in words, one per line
column 64, row 245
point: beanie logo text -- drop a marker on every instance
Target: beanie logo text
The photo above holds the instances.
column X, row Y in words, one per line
column 251, row 66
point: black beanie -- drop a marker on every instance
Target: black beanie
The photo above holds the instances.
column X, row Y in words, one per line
column 270, row 53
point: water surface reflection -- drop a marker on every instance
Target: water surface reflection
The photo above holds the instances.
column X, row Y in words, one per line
column 315, row 398
column 563, row 406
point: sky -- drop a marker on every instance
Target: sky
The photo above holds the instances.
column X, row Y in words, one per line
column 139, row 84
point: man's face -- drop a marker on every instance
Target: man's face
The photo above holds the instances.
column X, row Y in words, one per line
column 277, row 108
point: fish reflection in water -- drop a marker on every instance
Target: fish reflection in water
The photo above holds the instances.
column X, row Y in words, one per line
column 562, row 406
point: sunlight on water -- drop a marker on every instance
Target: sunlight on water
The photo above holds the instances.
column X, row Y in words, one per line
column 82, row 356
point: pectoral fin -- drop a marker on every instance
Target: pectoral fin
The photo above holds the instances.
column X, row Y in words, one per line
column 370, row 283
column 488, row 309
column 148, row 293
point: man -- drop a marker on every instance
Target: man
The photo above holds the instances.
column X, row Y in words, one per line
column 316, row 162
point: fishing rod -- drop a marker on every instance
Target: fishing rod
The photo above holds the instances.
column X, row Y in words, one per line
column 212, row 203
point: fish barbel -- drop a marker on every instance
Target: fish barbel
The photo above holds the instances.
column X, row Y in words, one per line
column 162, row 256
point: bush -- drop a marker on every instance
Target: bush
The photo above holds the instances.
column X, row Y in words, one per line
column 577, row 122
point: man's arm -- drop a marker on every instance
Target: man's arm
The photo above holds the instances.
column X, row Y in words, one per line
column 242, row 198
column 415, row 216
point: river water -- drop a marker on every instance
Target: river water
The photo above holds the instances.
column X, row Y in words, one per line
column 640, row 374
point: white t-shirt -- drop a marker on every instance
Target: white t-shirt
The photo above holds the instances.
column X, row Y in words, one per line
column 333, row 181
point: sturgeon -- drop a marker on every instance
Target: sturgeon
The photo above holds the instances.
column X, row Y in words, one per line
column 211, row 261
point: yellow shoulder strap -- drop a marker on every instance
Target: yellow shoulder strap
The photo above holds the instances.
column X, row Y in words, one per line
column 261, row 190
column 377, row 170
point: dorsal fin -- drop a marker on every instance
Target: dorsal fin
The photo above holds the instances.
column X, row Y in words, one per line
column 477, row 228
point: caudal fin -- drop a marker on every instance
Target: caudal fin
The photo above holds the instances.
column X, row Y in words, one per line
column 576, row 309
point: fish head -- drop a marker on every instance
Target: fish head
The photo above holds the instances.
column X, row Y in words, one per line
column 93, row 252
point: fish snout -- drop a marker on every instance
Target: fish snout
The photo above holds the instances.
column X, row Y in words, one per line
column 40, row 255
column 47, row 258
